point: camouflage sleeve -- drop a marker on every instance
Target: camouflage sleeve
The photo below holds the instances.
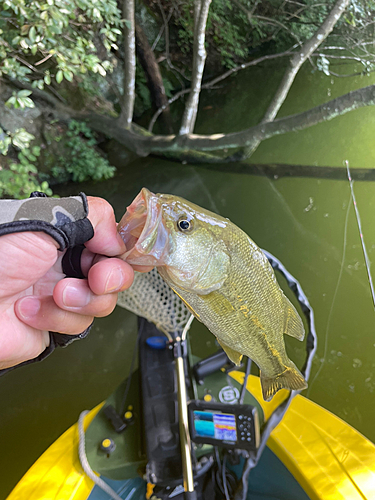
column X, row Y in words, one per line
column 65, row 219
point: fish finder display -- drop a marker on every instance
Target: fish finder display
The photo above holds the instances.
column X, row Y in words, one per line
column 232, row 426
column 215, row 425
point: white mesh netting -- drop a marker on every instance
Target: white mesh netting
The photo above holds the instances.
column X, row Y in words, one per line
column 150, row 297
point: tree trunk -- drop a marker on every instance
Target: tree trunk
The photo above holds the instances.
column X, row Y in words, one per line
column 155, row 83
column 201, row 8
column 127, row 105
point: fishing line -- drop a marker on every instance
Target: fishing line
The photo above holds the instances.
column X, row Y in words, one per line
column 224, row 474
column 244, row 384
column 206, row 190
column 131, row 370
column 217, row 458
column 367, row 260
column 334, row 297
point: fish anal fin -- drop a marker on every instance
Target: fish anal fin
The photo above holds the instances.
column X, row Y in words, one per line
column 293, row 325
column 233, row 355
column 290, row 379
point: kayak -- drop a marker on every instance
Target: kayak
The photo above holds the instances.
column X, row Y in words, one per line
column 312, row 454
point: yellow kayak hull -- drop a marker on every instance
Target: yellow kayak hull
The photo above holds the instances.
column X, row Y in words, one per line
column 328, row 458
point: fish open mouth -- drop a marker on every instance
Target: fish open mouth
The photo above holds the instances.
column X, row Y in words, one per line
column 143, row 231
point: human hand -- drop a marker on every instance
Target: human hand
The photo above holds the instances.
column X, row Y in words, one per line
column 35, row 296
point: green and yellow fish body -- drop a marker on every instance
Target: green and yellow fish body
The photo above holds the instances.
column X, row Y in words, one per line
column 222, row 276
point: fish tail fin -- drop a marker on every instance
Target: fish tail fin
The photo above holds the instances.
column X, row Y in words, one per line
column 291, row 378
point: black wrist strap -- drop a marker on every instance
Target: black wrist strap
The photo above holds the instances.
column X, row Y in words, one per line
column 71, row 262
column 65, row 219
column 55, row 340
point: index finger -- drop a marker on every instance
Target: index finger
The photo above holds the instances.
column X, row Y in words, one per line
column 106, row 240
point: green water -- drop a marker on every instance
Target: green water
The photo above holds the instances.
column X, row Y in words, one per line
column 306, row 223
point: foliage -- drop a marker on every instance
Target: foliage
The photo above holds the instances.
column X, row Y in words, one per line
column 43, row 43
column 20, row 139
column 143, row 97
column 226, row 33
column 20, row 99
column 20, row 178
column 47, row 43
column 81, row 161
column 237, row 29
column 48, row 40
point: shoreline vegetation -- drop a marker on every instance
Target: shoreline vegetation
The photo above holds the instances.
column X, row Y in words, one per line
column 76, row 73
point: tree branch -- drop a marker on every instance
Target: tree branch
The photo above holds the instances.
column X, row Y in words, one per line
column 127, row 107
column 166, row 40
column 199, row 58
column 300, row 57
column 296, row 62
column 165, row 26
column 143, row 143
column 40, row 94
column 151, row 68
column 274, row 22
column 216, row 80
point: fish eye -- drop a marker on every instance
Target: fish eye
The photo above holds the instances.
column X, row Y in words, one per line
column 184, row 224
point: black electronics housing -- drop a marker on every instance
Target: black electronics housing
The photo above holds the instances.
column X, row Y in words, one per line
column 224, row 425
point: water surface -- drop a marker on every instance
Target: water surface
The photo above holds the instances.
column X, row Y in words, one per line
column 308, row 223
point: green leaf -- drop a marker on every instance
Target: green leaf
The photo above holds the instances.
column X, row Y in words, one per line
column 59, row 76
column 68, row 75
column 21, row 139
column 128, row 24
column 10, row 101
column 29, row 103
column 101, row 70
column 32, row 34
column 24, row 93
column 20, row 102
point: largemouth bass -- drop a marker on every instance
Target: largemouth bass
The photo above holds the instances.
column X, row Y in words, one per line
column 222, row 276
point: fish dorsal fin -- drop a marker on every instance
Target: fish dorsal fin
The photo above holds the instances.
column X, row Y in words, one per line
column 233, row 355
column 293, row 325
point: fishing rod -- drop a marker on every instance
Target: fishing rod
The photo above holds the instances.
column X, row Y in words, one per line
column 367, row 260
column 187, row 464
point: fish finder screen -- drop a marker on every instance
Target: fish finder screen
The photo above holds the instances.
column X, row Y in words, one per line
column 215, row 425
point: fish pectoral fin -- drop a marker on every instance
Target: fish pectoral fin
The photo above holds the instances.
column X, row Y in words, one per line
column 233, row 355
column 291, row 378
column 188, row 306
column 293, row 325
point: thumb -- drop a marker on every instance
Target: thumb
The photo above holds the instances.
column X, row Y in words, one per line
column 24, row 259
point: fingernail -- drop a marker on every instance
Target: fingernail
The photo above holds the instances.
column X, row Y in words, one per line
column 29, row 307
column 115, row 280
column 75, row 297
